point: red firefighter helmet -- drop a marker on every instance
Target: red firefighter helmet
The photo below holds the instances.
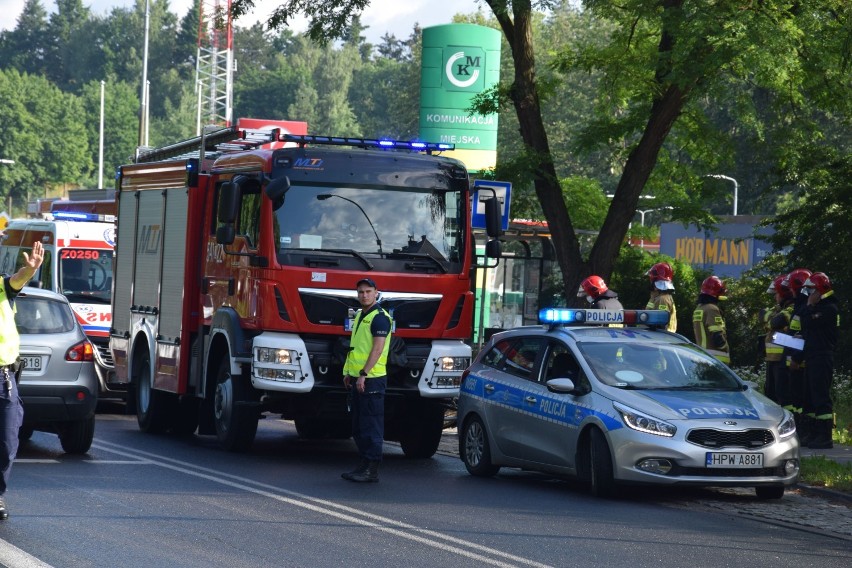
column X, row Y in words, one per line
column 796, row 279
column 713, row 286
column 661, row 275
column 780, row 286
column 819, row 281
column 592, row 286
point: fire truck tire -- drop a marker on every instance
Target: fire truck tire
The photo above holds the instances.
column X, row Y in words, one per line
column 423, row 435
column 76, row 437
column 236, row 424
column 152, row 406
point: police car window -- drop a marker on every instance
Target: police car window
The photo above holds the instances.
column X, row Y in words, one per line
column 40, row 315
column 496, row 354
column 521, row 357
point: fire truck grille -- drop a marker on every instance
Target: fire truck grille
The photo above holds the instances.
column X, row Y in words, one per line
column 407, row 314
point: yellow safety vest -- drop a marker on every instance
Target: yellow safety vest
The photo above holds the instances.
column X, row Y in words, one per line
column 362, row 343
column 10, row 342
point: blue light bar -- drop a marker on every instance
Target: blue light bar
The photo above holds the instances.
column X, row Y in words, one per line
column 573, row 316
column 366, row 142
column 75, row 216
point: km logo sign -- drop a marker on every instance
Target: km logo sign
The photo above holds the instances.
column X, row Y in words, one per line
column 463, row 69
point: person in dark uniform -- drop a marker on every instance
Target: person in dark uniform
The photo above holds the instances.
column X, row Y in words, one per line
column 820, row 321
column 775, row 320
column 598, row 294
column 11, row 407
column 365, row 375
column 795, row 358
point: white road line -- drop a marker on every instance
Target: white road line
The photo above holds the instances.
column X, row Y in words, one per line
column 330, row 508
column 13, row 557
column 109, row 462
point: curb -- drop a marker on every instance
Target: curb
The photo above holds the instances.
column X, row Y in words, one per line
column 825, row 492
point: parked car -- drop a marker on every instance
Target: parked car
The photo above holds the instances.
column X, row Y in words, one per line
column 59, row 385
column 617, row 406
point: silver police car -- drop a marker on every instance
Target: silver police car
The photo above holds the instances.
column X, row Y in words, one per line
column 613, row 399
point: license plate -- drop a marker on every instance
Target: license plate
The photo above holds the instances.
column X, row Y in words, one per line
column 32, row 363
column 734, row 460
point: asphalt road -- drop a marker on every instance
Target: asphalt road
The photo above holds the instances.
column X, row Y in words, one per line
column 157, row 501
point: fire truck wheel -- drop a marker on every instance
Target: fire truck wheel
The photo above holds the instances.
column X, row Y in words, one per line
column 152, row 406
column 423, row 434
column 236, row 423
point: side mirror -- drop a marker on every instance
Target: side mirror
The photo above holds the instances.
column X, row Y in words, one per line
column 493, row 218
column 561, row 386
column 225, row 234
column 276, row 190
column 493, row 249
column 229, row 195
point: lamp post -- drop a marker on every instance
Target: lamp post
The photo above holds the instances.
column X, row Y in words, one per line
column 642, row 219
column 324, row 196
column 736, row 187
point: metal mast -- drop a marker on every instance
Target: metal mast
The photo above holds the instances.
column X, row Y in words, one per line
column 214, row 68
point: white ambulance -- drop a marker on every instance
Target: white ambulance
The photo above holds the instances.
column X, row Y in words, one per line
column 78, row 262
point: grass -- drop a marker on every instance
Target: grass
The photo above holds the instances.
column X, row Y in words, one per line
column 821, row 472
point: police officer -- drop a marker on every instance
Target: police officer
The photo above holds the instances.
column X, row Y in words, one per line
column 365, row 375
column 795, row 280
column 598, row 294
column 708, row 323
column 662, row 288
column 820, row 319
column 775, row 320
column 11, row 409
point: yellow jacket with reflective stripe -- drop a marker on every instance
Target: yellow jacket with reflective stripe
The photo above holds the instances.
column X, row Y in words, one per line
column 660, row 301
column 362, row 343
column 707, row 321
column 10, row 342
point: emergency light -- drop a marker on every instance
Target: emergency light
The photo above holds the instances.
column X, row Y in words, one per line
column 303, row 139
column 74, row 216
column 571, row 316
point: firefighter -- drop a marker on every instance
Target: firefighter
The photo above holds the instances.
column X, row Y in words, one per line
column 11, row 408
column 820, row 319
column 795, row 280
column 662, row 289
column 708, row 322
column 775, row 320
column 598, row 294
column 365, row 376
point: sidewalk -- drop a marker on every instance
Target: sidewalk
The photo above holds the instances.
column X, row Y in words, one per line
column 840, row 454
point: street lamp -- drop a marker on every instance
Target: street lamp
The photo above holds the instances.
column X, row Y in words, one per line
column 736, row 187
column 324, row 196
column 7, row 162
column 642, row 219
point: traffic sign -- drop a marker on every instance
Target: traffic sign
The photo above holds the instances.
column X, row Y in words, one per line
column 485, row 189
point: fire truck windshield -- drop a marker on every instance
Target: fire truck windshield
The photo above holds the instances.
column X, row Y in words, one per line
column 373, row 223
column 86, row 274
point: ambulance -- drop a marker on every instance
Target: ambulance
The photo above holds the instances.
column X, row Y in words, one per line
column 78, row 262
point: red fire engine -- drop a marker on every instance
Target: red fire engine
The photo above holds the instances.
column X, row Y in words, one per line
column 235, row 281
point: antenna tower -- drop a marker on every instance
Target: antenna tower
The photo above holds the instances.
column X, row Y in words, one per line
column 214, row 68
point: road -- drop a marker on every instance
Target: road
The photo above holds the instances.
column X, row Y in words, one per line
column 155, row 501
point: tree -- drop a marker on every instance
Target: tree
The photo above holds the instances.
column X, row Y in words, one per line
column 661, row 58
column 24, row 47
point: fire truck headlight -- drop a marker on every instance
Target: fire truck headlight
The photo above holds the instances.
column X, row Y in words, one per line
column 453, row 364
column 275, row 356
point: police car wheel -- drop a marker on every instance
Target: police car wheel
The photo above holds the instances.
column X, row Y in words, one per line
column 600, row 479
column 474, row 449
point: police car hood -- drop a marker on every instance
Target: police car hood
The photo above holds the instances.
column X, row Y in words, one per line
column 703, row 404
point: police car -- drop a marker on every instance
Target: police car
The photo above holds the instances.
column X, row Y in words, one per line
column 613, row 399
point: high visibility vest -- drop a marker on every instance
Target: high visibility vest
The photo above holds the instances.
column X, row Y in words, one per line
column 362, row 343
column 10, row 342
column 707, row 321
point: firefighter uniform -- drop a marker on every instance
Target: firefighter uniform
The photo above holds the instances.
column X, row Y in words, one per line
column 777, row 386
column 708, row 324
column 799, row 405
column 663, row 300
column 11, row 407
column 820, row 322
column 368, row 407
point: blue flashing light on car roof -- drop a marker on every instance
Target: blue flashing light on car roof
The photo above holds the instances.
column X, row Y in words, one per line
column 571, row 316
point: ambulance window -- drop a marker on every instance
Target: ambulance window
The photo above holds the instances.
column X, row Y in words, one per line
column 249, row 222
column 46, row 272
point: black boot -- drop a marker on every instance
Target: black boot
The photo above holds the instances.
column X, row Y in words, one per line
column 359, row 469
column 821, row 439
column 4, row 513
column 370, row 475
column 804, row 429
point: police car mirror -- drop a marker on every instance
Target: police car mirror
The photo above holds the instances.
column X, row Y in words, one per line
column 561, row 386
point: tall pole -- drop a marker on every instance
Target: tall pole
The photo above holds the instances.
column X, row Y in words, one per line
column 101, row 143
column 736, row 187
column 143, row 109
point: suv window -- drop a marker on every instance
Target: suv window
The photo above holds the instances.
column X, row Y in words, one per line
column 40, row 315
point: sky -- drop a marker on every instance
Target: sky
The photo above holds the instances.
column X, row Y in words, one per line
column 395, row 16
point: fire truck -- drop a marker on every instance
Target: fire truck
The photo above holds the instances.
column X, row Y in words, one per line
column 235, row 277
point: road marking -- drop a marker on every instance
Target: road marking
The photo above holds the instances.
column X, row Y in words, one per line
column 14, row 557
column 107, row 462
column 450, row 544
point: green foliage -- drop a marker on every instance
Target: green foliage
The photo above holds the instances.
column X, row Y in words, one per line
column 823, row 472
